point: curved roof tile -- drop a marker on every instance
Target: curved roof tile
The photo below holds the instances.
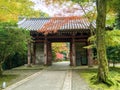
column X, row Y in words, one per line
column 34, row 24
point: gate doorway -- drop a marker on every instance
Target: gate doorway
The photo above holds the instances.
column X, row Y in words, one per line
column 61, row 52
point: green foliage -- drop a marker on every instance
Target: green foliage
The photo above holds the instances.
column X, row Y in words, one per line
column 42, row 14
column 53, row 55
column 112, row 41
column 11, row 9
column 114, row 8
column 15, row 60
column 117, row 21
column 12, row 40
column 59, row 47
column 114, row 5
column 113, row 54
column 112, row 38
column 110, row 19
column 81, row 1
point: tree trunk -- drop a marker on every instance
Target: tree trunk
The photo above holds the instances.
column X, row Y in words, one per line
column 114, row 63
column 103, row 69
column 1, row 69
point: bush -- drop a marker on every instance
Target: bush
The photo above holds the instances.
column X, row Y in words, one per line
column 14, row 61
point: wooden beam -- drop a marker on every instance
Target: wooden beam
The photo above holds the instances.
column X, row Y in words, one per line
column 29, row 54
column 90, row 58
column 42, row 37
column 34, row 53
column 80, row 40
column 49, row 50
column 73, row 51
column 71, row 60
column 37, row 41
column 45, row 51
column 64, row 31
column 62, row 40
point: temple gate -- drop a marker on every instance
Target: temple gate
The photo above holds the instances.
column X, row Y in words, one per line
column 76, row 32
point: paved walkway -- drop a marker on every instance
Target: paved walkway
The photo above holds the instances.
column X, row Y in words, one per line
column 56, row 77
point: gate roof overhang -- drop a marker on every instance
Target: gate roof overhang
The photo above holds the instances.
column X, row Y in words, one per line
column 34, row 24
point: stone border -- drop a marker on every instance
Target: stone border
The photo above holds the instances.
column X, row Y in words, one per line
column 11, row 87
column 67, row 81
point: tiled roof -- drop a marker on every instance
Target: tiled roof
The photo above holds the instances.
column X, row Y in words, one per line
column 35, row 24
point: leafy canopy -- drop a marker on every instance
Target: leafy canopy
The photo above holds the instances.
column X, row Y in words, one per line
column 10, row 10
column 12, row 40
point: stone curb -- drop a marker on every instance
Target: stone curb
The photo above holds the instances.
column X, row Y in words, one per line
column 11, row 87
column 67, row 82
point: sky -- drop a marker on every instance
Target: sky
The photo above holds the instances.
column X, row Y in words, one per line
column 66, row 9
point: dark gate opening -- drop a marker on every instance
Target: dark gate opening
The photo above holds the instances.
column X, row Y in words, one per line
column 81, row 54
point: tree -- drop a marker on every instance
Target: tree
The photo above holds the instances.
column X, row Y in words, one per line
column 114, row 8
column 12, row 40
column 10, row 10
column 103, row 70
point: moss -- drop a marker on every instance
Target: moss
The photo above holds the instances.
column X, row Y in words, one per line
column 91, row 78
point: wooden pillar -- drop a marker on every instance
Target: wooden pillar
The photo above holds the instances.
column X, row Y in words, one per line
column 73, row 52
column 90, row 58
column 34, row 53
column 29, row 54
column 45, row 51
column 49, row 54
column 71, row 61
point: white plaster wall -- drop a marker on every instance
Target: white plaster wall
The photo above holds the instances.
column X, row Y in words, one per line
column 39, row 53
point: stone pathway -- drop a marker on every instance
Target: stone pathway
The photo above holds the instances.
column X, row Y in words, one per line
column 56, row 77
column 48, row 80
column 78, row 83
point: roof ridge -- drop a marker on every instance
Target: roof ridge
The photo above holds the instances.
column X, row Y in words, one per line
column 51, row 17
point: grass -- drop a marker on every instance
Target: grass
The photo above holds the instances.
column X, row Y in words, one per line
column 16, row 74
column 87, row 74
column 7, row 78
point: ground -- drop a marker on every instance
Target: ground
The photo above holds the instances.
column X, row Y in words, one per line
column 59, row 76
column 19, row 73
